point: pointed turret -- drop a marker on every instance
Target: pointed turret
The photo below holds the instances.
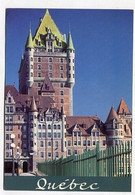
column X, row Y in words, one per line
column 112, row 115
column 123, row 108
column 33, row 107
column 29, row 43
column 70, row 42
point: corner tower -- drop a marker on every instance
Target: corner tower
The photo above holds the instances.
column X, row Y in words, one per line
column 49, row 58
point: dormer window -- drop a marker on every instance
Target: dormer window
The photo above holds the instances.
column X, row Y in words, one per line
column 75, row 133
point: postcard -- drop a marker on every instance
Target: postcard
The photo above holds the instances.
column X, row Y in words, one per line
column 68, row 114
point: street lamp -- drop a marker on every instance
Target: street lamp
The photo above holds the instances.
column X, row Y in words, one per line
column 13, row 146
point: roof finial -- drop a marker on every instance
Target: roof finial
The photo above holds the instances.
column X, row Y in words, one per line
column 69, row 27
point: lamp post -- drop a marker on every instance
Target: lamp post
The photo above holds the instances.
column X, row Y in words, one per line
column 18, row 158
column 13, row 146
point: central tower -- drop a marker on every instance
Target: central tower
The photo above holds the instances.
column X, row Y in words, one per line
column 47, row 66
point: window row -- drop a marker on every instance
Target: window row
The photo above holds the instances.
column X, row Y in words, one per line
column 44, row 126
column 49, row 154
column 85, row 143
column 49, row 135
column 50, row 59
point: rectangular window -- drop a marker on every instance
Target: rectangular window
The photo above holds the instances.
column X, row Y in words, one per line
column 50, row 75
column 59, row 135
column 61, row 92
column 69, row 152
column 50, row 67
column 39, row 84
column 11, row 109
column 49, row 135
column 50, row 59
column 69, row 143
column 41, row 144
column 56, row 144
column 61, row 60
column 61, row 85
column 94, row 143
column 61, row 68
column 7, row 136
column 75, row 152
column 7, row 146
column 88, row 142
column 93, row 133
column 56, row 154
column 49, row 154
column 7, row 109
column 84, row 142
column 75, row 143
column 41, row 154
column 39, row 59
column 79, row 143
column 75, row 133
column 39, row 67
column 39, row 74
column 44, row 135
column 49, row 143
column 79, row 133
column 39, row 135
column 61, row 101
column 55, row 135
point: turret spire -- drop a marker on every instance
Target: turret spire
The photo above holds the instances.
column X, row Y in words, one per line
column 112, row 115
column 33, row 107
column 29, row 43
column 70, row 42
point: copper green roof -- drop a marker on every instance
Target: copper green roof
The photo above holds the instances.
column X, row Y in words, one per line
column 29, row 43
column 48, row 23
column 70, row 42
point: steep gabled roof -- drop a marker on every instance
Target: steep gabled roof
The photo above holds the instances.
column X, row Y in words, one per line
column 48, row 23
column 47, row 85
column 12, row 90
column 123, row 108
column 85, row 123
column 112, row 115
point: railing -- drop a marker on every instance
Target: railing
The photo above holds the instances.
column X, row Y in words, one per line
column 111, row 162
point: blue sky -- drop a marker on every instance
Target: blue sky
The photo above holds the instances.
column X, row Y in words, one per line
column 103, row 40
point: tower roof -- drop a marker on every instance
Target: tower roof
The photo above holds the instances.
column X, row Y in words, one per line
column 70, row 42
column 112, row 115
column 47, row 85
column 33, row 107
column 123, row 108
column 48, row 23
column 29, row 43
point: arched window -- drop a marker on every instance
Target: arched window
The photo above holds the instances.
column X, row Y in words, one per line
column 39, row 126
column 49, row 126
column 44, row 126
column 54, row 126
column 58, row 126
